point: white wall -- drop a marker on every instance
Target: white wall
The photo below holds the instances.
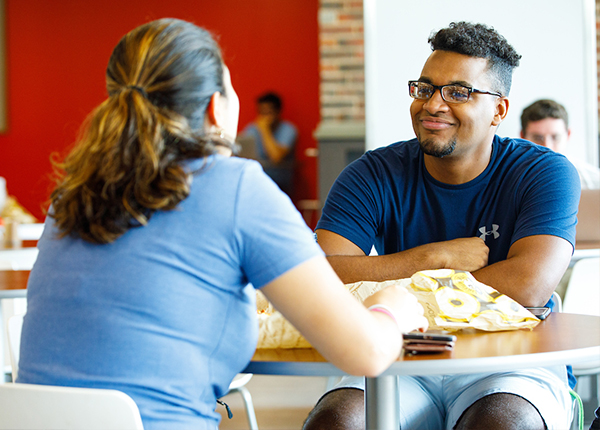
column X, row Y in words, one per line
column 556, row 38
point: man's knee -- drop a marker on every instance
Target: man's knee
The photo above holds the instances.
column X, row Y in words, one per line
column 342, row 409
column 501, row 411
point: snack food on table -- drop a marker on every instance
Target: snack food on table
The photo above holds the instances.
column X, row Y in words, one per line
column 452, row 299
column 274, row 331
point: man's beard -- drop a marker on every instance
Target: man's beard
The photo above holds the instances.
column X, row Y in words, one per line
column 429, row 147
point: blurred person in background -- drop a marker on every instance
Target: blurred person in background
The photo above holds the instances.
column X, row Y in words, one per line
column 275, row 140
column 546, row 122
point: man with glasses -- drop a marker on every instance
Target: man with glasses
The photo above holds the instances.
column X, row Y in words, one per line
column 458, row 196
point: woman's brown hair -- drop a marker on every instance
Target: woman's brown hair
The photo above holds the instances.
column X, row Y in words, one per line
column 127, row 164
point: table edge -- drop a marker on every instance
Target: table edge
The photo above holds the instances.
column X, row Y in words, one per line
column 431, row 367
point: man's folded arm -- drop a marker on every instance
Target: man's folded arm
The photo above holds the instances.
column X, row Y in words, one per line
column 352, row 265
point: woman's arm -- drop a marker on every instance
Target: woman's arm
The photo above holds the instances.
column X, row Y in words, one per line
column 359, row 342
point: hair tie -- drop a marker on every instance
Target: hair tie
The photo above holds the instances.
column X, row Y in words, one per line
column 138, row 89
column 385, row 310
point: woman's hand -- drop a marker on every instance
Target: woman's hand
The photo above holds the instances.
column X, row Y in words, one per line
column 405, row 306
column 359, row 342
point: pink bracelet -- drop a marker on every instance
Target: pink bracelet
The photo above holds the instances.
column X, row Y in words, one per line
column 384, row 310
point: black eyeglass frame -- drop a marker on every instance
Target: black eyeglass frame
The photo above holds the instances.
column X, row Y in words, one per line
column 441, row 87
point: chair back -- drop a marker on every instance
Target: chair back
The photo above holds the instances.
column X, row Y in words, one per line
column 583, row 291
column 13, row 330
column 43, row 407
column 18, row 259
column 557, row 302
column 583, row 297
column 30, row 231
column 26, row 406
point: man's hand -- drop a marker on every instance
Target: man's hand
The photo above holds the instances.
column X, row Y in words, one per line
column 274, row 150
column 264, row 122
column 469, row 253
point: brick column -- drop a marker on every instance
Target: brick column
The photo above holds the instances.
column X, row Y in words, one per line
column 342, row 65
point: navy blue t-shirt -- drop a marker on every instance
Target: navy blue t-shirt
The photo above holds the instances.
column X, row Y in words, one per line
column 387, row 199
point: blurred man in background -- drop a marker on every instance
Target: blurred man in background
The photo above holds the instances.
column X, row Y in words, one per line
column 274, row 140
column 546, row 123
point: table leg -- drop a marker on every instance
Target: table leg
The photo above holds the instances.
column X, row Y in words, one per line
column 381, row 403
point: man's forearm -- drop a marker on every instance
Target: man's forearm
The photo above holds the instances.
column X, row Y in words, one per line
column 274, row 150
column 465, row 254
column 532, row 270
column 517, row 282
column 354, row 268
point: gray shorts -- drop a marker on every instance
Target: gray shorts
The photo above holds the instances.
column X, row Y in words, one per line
column 437, row 402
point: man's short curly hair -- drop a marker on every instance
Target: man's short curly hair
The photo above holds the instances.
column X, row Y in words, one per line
column 478, row 40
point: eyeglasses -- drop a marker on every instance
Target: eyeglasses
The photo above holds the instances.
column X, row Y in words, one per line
column 452, row 93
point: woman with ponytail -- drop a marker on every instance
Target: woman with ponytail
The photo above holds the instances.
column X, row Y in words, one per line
column 156, row 239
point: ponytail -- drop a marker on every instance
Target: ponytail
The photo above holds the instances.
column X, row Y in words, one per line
column 128, row 160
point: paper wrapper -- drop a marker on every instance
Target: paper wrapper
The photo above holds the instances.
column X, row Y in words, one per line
column 274, row 331
column 454, row 299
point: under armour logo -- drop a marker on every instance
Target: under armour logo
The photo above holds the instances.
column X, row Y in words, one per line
column 485, row 233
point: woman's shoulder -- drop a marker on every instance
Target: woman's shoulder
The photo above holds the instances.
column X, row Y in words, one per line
column 224, row 176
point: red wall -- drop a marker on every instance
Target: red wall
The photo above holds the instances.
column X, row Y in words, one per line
column 57, row 51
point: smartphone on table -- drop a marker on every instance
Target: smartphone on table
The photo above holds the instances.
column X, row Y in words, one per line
column 541, row 312
column 416, row 342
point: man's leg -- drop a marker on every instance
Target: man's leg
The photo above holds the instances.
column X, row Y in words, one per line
column 342, row 409
column 501, row 411
column 523, row 399
column 344, row 406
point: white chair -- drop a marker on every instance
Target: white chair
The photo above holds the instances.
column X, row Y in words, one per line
column 557, row 302
column 583, row 290
column 13, row 330
column 19, row 259
column 583, row 297
column 238, row 385
column 30, row 231
column 8, row 308
column 43, row 407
